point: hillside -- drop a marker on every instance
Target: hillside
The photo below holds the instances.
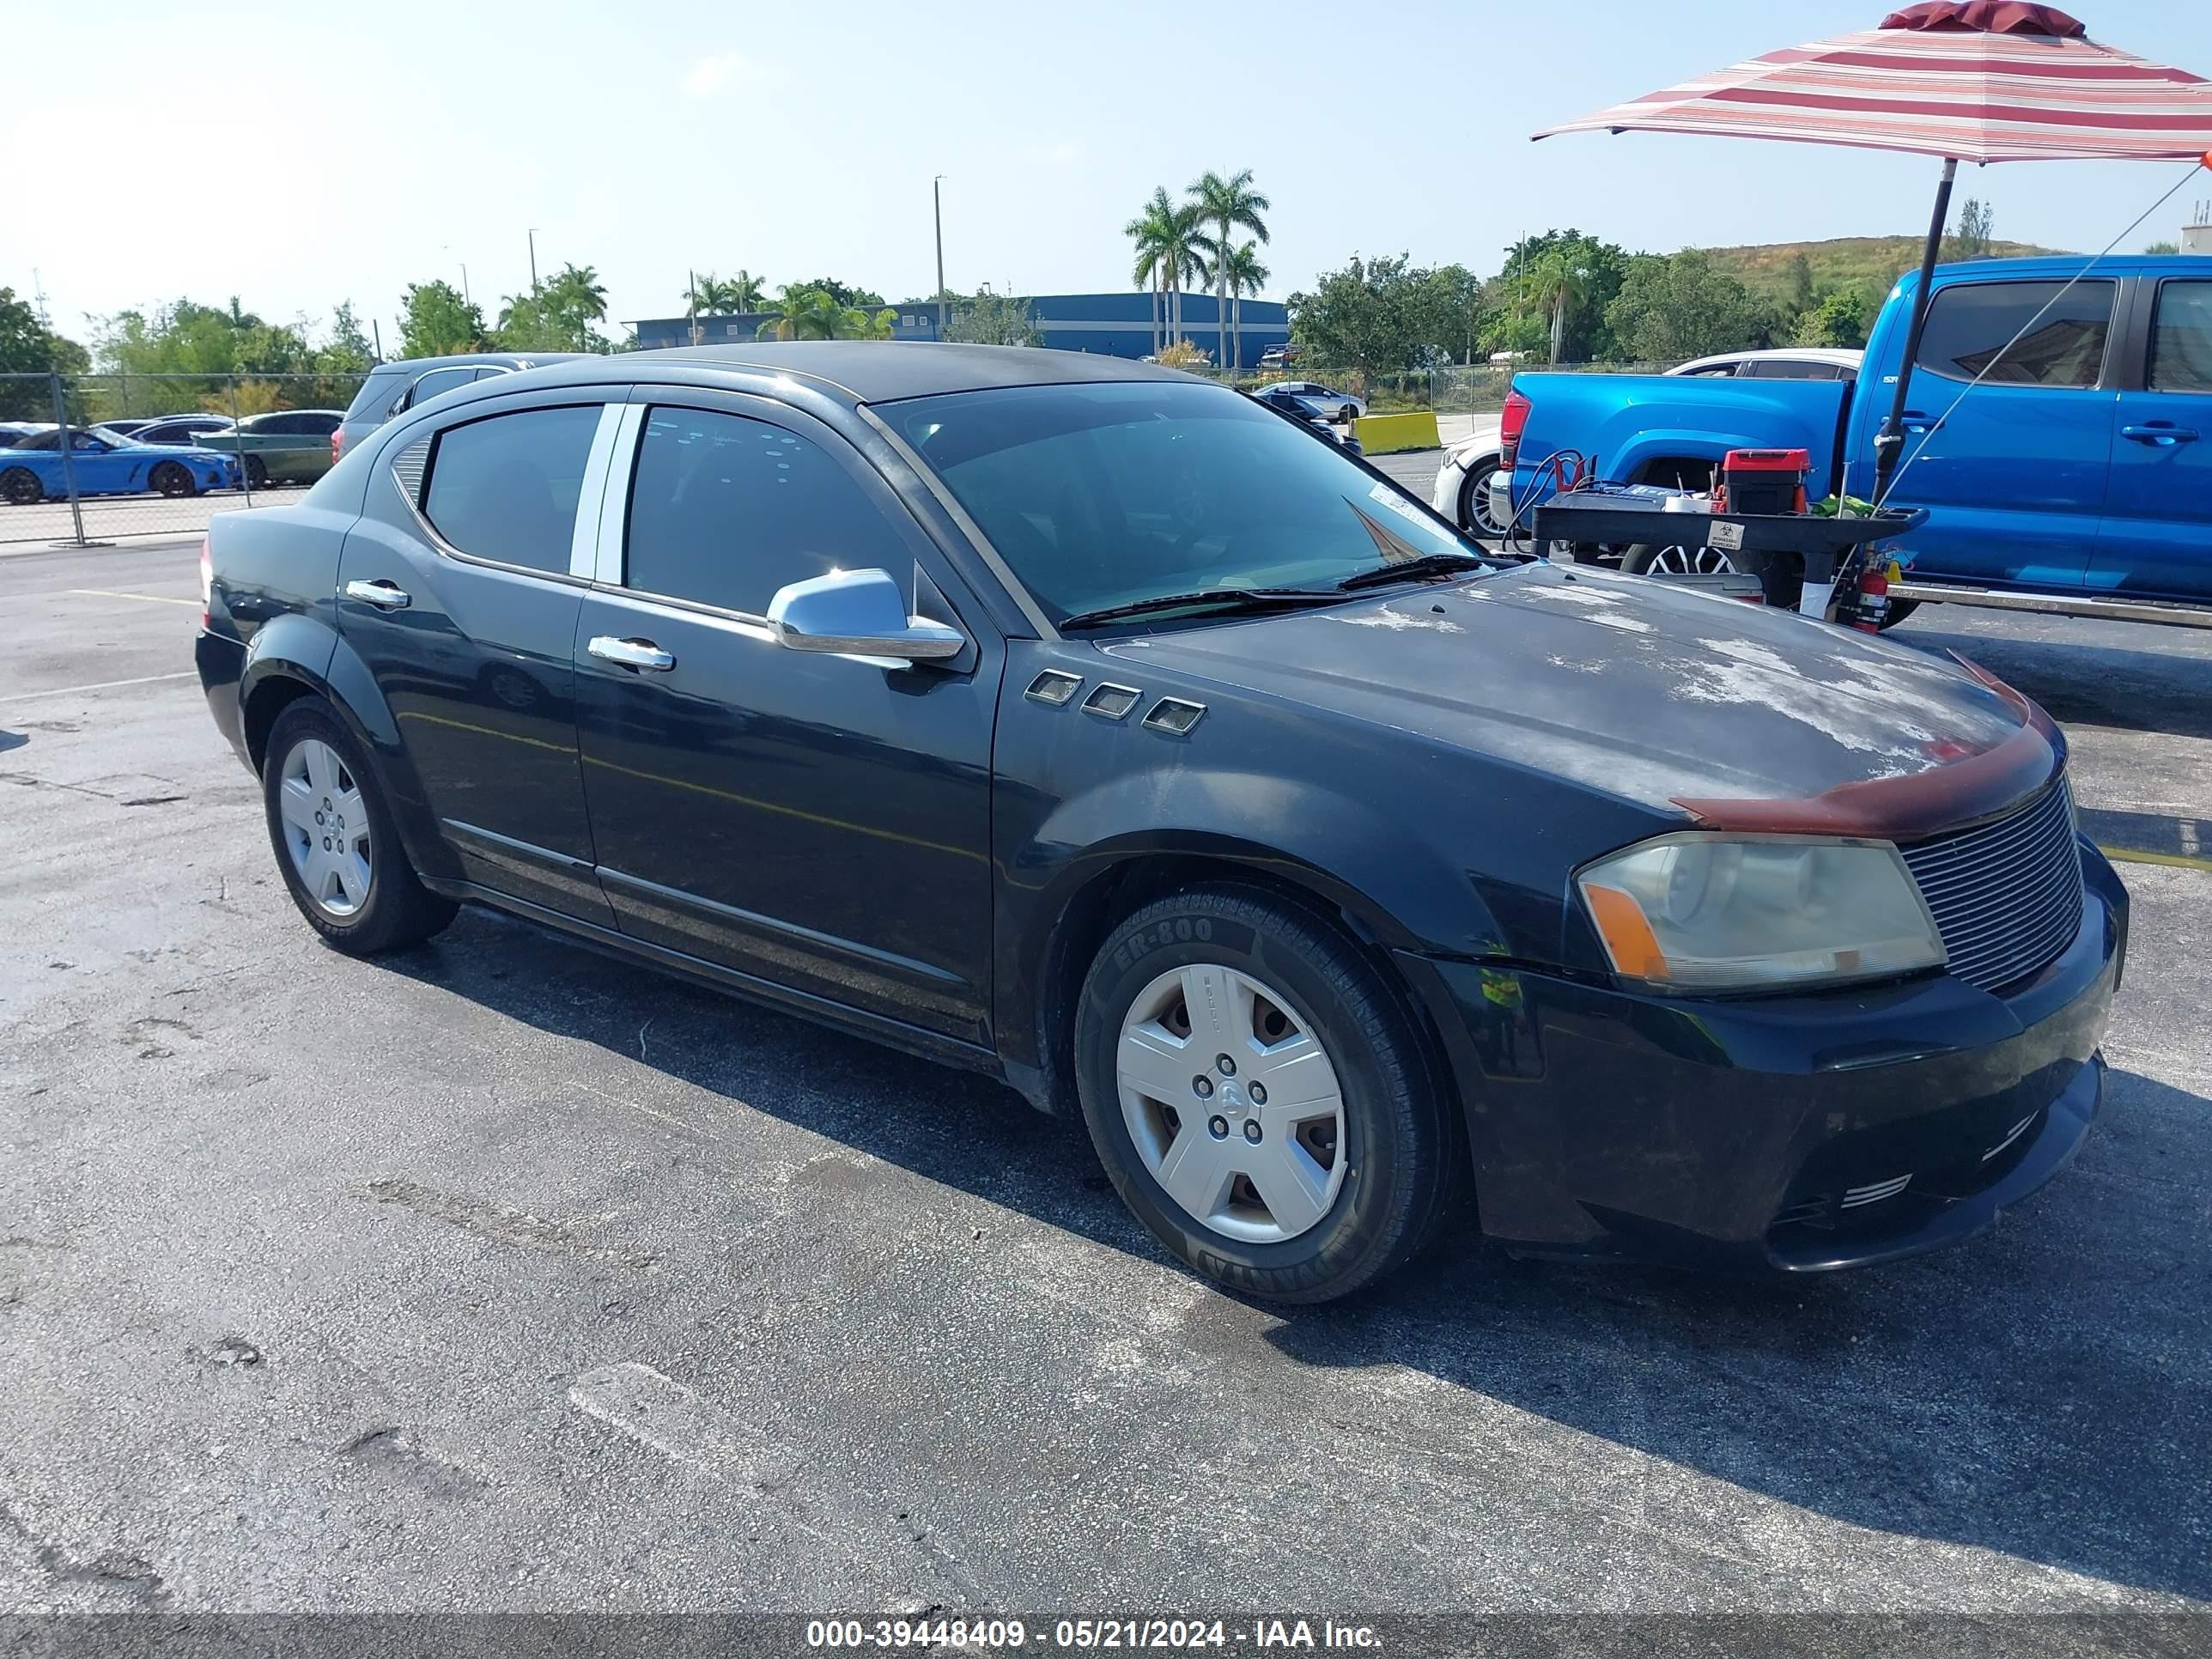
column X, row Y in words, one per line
column 1869, row 262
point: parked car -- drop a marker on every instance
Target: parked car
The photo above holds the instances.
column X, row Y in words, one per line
column 393, row 388
column 2071, row 478
column 1326, row 400
column 105, row 463
column 1298, row 409
column 1280, row 357
column 180, row 429
column 129, row 426
column 287, row 446
column 1463, row 490
column 13, row 432
column 1090, row 727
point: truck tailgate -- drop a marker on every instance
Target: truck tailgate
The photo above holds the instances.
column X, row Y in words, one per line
column 1630, row 424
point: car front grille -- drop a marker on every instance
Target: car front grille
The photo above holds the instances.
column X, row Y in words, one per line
column 2007, row 896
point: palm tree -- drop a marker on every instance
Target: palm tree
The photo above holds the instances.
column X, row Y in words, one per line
column 801, row 313
column 1558, row 280
column 577, row 292
column 1226, row 205
column 1246, row 274
column 1154, row 232
column 714, row 297
column 746, row 291
column 1183, row 258
column 861, row 323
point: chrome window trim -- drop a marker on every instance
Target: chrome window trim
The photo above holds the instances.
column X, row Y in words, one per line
column 742, row 623
column 590, row 499
column 969, row 528
column 613, row 537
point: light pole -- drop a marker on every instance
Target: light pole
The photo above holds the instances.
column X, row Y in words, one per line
column 534, row 258
column 937, row 208
column 466, row 299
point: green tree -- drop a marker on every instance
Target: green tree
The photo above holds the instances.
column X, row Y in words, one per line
column 2163, row 247
column 1246, row 276
column 841, row 293
column 348, row 351
column 1679, row 307
column 987, row 319
column 1978, row 223
column 1224, row 207
column 1840, row 318
column 1600, row 266
column 435, row 321
column 1377, row 314
column 1169, row 246
column 28, row 346
column 556, row 314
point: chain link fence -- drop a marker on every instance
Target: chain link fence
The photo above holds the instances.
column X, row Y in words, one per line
column 182, row 448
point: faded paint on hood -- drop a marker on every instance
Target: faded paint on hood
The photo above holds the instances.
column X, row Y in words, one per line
column 1646, row 691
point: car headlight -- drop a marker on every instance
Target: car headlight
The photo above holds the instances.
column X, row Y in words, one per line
column 1706, row 912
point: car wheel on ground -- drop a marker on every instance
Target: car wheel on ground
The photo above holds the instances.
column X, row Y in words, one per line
column 335, row 845
column 20, row 487
column 1258, row 1096
column 175, row 479
column 256, row 473
column 1474, row 513
column 1645, row 559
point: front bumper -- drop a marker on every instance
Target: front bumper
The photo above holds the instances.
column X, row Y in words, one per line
column 1444, row 498
column 1768, row 1135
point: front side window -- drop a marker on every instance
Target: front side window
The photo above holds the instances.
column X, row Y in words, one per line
column 1971, row 330
column 1108, row 494
column 723, row 511
column 2181, row 344
column 506, row 488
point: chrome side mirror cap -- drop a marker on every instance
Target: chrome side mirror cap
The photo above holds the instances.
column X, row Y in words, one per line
column 858, row 613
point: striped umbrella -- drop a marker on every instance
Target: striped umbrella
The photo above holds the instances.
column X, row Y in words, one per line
column 1967, row 80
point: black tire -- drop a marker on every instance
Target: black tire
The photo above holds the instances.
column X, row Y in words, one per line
column 398, row 910
column 1474, row 499
column 1403, row 1157
column 173, row 479
column 20, row 487
column 256, row 473
column 1782, row 581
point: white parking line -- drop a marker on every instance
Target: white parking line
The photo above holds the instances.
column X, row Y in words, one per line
column 662, row 1413
column 101, row 685
column 110, row 593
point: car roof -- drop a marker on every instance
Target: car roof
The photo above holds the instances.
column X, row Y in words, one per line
column 480, row 359
column 1844, row 356
column 874, row 371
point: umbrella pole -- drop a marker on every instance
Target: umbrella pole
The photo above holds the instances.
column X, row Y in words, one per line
column 1889, row 443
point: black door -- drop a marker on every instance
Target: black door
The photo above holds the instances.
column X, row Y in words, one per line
column 458, row 589
column 820, row 823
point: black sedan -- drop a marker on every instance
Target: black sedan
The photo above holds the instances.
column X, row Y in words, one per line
column 1096, row 728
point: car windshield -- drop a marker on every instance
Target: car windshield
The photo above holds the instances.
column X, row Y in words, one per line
column 1111, row 495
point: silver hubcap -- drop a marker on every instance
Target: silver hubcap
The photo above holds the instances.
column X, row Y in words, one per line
column 1689, row 562
column 1478, row 508
column 1233, row 1105
column 325, row 827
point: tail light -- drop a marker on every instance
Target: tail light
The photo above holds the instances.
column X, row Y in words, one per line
column 1511, row 423
column 207, row 585
column 337, row 442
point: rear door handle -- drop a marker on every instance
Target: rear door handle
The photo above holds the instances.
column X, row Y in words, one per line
column 2159, row 432
column 632, row 653
column 384, row 595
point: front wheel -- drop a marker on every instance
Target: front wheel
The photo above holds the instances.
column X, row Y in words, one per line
column 1474, row 513
column 336, row 847
column 1258, row 1097
column 175, row 479
column 20, row 487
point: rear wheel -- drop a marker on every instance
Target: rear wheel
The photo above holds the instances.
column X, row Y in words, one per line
column 1645, row 559
column 256, row 473
column 1258, row 1097
column 20, row 487
column 175, row 479
column 336, row 844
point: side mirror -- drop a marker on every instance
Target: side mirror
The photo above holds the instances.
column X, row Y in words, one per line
column 858, row 613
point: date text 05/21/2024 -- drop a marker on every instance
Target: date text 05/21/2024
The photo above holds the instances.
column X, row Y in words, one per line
column 1089, row 1634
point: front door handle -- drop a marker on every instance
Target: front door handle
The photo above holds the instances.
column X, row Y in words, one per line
column 1915, row 421
column 632, row 653
column 2159, row 432
column 384, row 595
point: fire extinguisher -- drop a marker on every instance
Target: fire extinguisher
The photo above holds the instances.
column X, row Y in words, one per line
column 1873, row 601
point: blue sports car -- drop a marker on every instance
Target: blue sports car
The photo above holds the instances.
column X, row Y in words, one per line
column 108, row 464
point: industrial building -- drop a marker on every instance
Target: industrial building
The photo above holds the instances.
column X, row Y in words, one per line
column 1117, row 325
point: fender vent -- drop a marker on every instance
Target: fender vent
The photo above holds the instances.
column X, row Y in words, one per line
column 1174, row 717
column 1111, row 702
column 407, row 470
column 1052, row 688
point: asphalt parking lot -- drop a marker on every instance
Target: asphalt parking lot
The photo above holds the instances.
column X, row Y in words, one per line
column 497, row 1274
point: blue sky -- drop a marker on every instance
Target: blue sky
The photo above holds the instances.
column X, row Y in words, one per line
column 307, row 155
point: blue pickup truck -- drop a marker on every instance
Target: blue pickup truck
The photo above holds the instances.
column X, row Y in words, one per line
column 2075, row 477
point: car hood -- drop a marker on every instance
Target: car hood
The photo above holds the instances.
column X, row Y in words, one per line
column 1654, row 693
column 1484, row 440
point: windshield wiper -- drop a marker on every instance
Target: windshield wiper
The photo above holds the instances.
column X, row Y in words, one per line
column 1426, row 564
column 1250, row 600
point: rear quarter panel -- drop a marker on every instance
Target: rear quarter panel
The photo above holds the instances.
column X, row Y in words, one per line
column 1625, row 423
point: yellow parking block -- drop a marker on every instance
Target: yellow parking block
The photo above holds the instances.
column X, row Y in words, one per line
column 1384, row 434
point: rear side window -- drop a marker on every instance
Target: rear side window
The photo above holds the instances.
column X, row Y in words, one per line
column 505, row 488
column 724, row 510
column 1971, row 327
column 437, row 381
column 1788, row 368
column 2181, row 346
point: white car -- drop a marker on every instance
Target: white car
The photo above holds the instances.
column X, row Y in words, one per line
column 1462, row 491
column 1326, row 399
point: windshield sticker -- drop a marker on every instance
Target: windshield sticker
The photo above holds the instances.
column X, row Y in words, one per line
column 1383, row 495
